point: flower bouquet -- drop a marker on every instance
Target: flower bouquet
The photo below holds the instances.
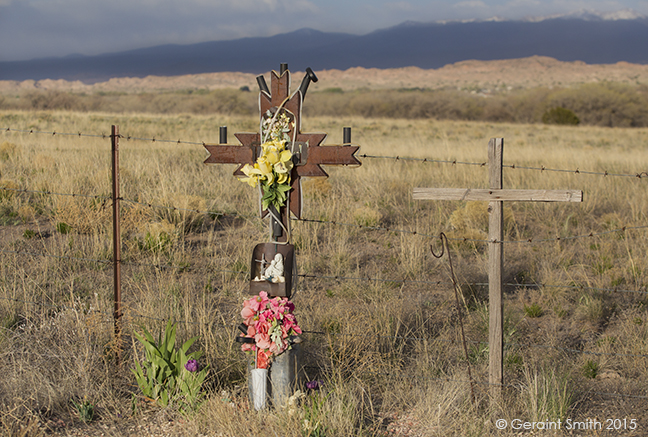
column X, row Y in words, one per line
column 270, row 322
column 272, row 169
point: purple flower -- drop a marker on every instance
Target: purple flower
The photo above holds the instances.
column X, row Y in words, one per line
column 192, row 366
column 314, row 385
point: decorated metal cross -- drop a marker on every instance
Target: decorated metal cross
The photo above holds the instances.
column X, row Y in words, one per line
column 274, row 160
column 281, row 118
column 496, row 195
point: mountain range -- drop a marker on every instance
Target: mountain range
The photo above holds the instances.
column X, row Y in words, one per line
column 585, row 36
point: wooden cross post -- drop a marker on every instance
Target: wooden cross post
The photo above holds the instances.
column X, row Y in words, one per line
column 496, row 195
column 282, row 109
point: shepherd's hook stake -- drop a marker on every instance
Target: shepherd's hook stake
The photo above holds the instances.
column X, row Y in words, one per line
column 444, row 248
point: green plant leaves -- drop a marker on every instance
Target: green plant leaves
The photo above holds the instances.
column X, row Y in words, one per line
column 162, row 376
column 85, row 409
column 274, row 194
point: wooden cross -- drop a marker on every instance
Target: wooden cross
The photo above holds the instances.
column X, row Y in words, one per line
column 496, row 195
column 309, row 154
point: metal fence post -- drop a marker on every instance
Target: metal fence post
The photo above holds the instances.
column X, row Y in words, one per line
column 117, row 314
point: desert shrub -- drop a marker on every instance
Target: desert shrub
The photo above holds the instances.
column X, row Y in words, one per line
column 560, row 115
column 49, row 100
column 80, row 215
column 605, row 104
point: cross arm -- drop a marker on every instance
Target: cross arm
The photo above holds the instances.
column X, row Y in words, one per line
column 498, row 195
column 231, row 154
column 334, row 155
column 223, row 154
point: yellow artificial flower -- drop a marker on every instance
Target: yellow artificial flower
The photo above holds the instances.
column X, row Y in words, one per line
column 252, row 174
column 249, row 170
column 281, row 168
column 273, row 146
column 282, row 178
column 252, row 181
column 286, row 158
column 273, row 166
column 272, row 157
column 265, row 168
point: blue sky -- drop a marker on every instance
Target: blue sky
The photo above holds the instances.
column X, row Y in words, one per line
column 42, row 28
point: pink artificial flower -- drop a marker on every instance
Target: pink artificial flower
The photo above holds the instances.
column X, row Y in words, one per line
column 263, row 341
column 262, row 360
column 262, row 325
column 248, row 347
column 262, row 328
column 258, row 302
column 281, row 307
column 248, row 315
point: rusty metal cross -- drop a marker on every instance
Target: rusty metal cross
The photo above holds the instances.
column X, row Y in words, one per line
column 309, row 154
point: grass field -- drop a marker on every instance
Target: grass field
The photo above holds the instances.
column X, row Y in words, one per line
column 387, row 344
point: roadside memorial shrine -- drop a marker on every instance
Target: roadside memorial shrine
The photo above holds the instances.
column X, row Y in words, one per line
column 496, row 195
column 274, row 160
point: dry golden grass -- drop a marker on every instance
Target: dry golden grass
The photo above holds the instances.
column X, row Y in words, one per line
column 387, row 350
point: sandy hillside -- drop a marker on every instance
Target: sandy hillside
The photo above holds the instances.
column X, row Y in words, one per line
column 512, row 73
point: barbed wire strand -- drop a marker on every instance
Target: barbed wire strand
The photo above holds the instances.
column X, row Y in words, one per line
column 54, row 133
column 637, row 175
column 197, row 211
column 443, row 340
column 47, row 255
column 439, row 378
column 126, row 315
column 102, row 135
column 328, row 277
column 473, row 240
column 336, row 223
column 621, row 395
column 52, row 193
column 56, row 306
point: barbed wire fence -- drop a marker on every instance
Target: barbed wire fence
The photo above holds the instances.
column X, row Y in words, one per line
column 115, row 317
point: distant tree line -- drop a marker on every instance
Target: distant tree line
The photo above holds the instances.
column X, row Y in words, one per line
column 600, row 104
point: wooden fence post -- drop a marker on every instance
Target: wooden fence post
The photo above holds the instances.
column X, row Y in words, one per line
column 117, row 314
